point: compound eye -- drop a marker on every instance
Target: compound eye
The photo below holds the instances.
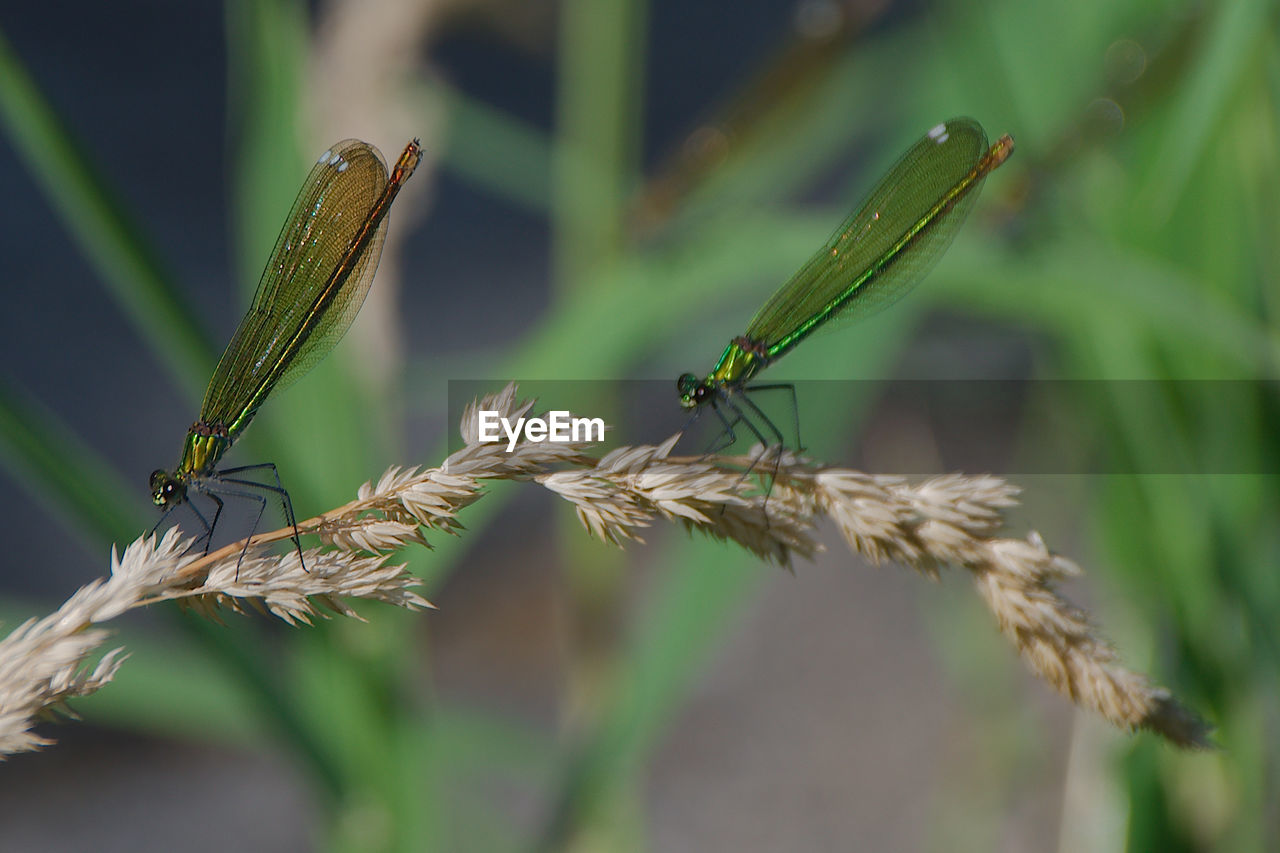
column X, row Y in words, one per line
column 687, row 384
column 157, row 477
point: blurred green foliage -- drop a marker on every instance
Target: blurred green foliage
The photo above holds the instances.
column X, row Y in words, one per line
column 1132, row 236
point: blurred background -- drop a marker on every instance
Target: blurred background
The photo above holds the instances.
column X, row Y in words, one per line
column 611, row 188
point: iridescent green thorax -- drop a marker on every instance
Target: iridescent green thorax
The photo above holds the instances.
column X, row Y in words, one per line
column 741, row 360
column 203, row 448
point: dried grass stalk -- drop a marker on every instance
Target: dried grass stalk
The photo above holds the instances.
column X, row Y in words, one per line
column 945, row 521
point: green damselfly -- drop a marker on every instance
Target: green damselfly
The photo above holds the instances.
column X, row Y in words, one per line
column 314, row 284
column 873, row 259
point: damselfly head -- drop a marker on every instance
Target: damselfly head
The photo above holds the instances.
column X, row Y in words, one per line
column 167, row 489
column 693, row 391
